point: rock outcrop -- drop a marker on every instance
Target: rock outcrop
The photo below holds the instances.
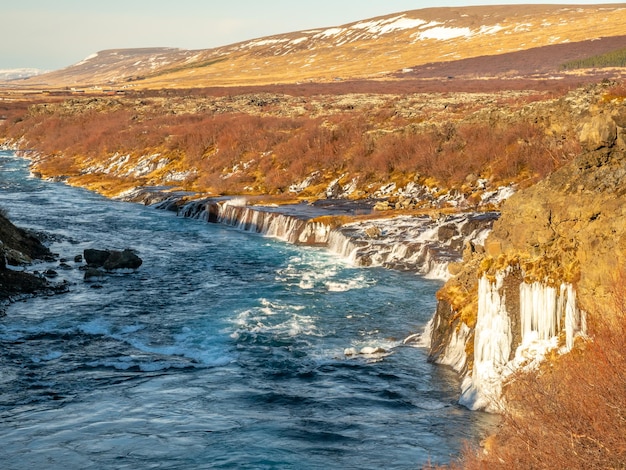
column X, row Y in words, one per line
column 18, row 247
column 554, row 254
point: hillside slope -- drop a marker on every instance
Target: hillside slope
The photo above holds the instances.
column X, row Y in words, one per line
column 374, row 48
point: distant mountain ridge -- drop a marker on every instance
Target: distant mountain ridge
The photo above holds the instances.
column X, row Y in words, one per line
column 14, row 74
column 373, row 48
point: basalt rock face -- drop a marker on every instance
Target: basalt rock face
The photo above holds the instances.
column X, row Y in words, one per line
column 18, row 247
column 554, row 254
column 572, row 226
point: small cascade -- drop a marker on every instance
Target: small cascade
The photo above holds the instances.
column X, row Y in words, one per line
column 416, row 243
column 265, row 221
column 196, row 210
column 422, row 244
column 544, row 313
column 341, row 243
column 273, row 224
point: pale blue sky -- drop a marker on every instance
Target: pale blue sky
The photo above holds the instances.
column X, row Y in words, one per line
column 51, row 34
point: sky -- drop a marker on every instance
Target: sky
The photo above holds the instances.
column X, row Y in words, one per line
column 52, row 34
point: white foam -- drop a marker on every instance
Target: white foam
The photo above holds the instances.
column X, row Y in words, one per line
column 343, row 286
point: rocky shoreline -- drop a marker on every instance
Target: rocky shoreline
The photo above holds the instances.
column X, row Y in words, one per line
column 542, row 246
column 552, row 260
column 19, row 248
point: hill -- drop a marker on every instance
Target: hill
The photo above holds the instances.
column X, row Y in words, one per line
column 377, row 48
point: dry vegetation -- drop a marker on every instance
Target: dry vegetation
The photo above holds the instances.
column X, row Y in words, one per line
column 264, row 143
column 569, row 414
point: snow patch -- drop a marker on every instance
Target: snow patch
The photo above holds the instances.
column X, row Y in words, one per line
column 299, row 40
column 87, row 59
column 490, row 29
column 330, row 32
column 443, row 33
column 389, row 25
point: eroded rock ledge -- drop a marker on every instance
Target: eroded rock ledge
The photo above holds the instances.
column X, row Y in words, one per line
column 554, row 255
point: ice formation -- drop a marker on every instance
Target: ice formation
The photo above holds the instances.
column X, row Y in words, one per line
column 492, row 346
column 544, row 312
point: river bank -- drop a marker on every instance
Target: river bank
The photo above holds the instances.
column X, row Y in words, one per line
column 223, row 347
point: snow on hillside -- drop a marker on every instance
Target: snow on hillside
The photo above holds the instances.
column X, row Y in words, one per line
column 411, row 29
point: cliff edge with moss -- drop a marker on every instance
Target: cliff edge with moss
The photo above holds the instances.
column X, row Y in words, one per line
column 552, row 257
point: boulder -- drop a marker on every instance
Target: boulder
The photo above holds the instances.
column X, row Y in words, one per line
column 599, row 131
column 111, row 260
column 126, row 259
column 19, row 245
column 95, row 257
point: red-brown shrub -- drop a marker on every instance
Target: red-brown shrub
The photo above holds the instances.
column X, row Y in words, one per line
column 271, row 152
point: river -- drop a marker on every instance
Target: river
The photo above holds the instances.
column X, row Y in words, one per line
column 224, row 350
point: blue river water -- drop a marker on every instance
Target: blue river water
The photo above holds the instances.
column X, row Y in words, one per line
column 224, row 350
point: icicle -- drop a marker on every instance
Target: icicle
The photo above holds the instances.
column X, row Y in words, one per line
column 454, row 354
column 538, row 311
column 492, row 347
column 575, row 320
column 541, row 310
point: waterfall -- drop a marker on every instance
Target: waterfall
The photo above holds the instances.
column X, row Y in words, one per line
column 422, row 244
column 543, row 311
column 417, row 243
column 343, row 245
column 271, row 223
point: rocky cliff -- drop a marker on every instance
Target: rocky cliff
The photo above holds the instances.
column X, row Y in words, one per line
column 553, row 255
column 17, row 248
